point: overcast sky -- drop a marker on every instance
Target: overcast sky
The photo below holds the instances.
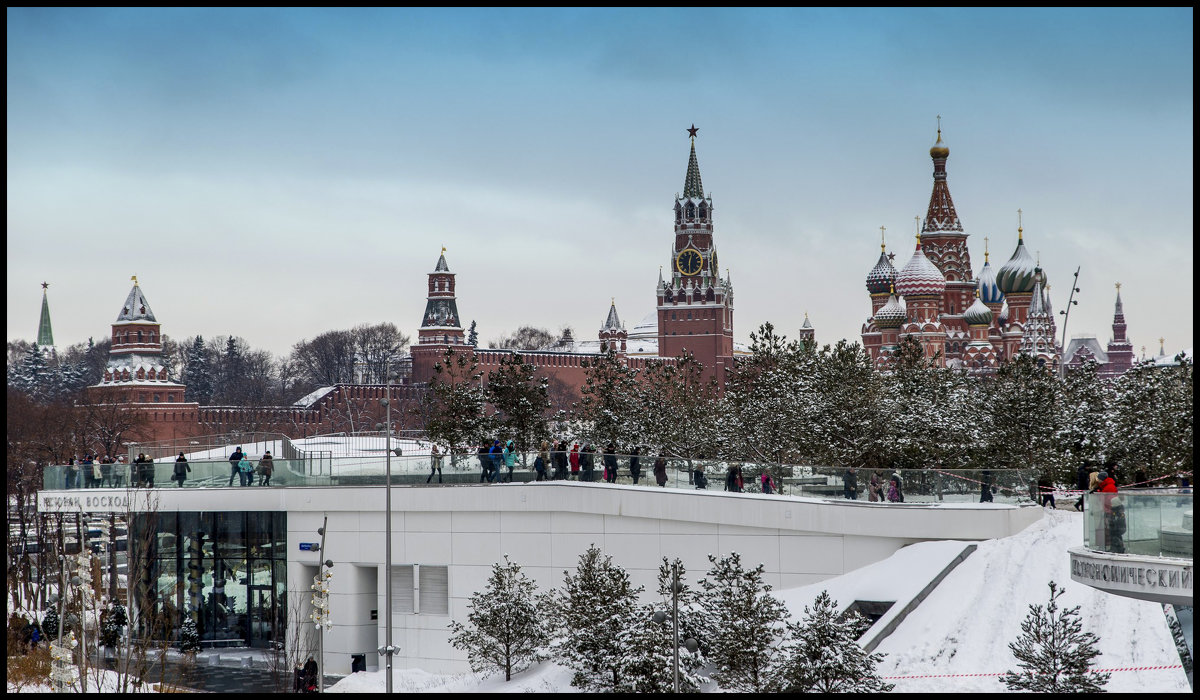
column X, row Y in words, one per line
column 273, row 174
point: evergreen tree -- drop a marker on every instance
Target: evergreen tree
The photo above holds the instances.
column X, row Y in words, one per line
column 50, row 623
column 823, row 656
column 1086, row 422
column 473, row 335
column 846, row 420
column 597, row 606
column 521, row 401
column 189, row 638
column 33, row 375
column 606, row 409
column 112, row 621
column 453, row 408
column 506, row 625
column 1054, row 653
column 1022, row 411
column 675, row 409
column 649, row 646
column 744, row 625
column 768, row 399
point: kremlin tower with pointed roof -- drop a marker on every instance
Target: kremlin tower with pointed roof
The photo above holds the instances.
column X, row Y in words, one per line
column 971, row 322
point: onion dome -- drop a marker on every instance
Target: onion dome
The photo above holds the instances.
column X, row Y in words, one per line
column 920, row 276
column 891, row 314
column 989, row 292
column 939, row 149
column 881, row 277
column 1017, row 276
column 1002, row 319
column 978, row 314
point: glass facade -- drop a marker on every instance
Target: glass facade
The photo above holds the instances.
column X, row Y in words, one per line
column 227, row 570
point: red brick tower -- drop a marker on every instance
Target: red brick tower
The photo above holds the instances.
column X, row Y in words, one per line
column 1120, row 350
column 613, row 335
column 440, row 327
column 695, row 307
column 945, row 244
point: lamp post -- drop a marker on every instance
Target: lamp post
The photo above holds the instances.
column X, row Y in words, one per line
column 388, row 649
column 1066, row 314
column 660, row 617
column 321, row 602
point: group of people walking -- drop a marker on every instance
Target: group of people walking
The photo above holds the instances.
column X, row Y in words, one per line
column 91, row 473
column 879, row 488
column 241, row 467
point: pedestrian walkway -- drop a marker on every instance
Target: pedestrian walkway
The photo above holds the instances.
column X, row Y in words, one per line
column 238, row 670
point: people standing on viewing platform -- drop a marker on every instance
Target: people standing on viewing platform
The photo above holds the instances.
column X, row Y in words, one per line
column 768, row 484
column 559, row 457
column 234, row 470
column 86, row 468
column 635, row 463
column 72, row 474
column 895, row 492
column 1046, row 490
column 246, row 470
column 1082, row 479
column 610, row 463
column 539, row 463
column 510, row 459
column 496, row 455
column 850, row 484
column 266, row 467
column 660, row 471
column 435, row 464
column 985, row 487
column 587, row 461
column 575, row 462
column 485, row 461
column 106, row 470
column 181, row 469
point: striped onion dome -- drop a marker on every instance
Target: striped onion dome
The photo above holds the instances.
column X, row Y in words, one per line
column 1017, row 275
column 988, row 291
column 1002, row 319
column 919, row 276
column 978, row 314
column 881, row 277
column 891, row 314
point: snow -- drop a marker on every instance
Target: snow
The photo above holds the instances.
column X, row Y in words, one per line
column 963, row 627
column 307, row 399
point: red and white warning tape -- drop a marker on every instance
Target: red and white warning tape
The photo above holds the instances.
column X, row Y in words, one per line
column 977, row 675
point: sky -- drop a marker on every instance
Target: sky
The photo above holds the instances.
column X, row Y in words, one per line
column 274, row 173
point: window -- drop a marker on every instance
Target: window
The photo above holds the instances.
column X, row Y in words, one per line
column 402, row 589
column 435, row 590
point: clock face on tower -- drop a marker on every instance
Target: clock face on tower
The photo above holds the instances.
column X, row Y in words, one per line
column 689, row 261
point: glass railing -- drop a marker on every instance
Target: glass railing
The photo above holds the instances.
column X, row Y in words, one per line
column 951, row 486
column 1152, row 523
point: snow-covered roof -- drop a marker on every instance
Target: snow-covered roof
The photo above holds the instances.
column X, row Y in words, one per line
column 1087, row 341
column 311, row 397
column 136, row 308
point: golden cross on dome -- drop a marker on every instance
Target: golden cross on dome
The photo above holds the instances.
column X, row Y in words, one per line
column 918, row 220
column 939, row 117
column 1020, row 229
column 985, row 248
column 882, row 245
column 1118, row 287
column 134, row 278
column 443, row 250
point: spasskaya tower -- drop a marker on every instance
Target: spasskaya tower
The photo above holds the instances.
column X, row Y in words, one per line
column 695, row 304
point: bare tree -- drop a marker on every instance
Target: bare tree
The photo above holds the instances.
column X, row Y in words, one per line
column 525, row 338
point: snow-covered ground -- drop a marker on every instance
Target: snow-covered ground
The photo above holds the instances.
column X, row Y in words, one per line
column 963, row 627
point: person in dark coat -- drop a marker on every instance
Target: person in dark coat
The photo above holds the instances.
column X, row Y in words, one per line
column 310, row 675
column 635, row 464
column 610, row 463
column 181, row 469
column 698, row 476
column 235, row 472
column 559, row 457
column 266, row 467
column 985, row 487
column 850, row 485
column 484, row 462
column 496, row 453
column 660, row 471
column 1081, row 482
column 1046, row 490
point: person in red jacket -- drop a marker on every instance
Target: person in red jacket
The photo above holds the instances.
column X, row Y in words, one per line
column 574, row 459
column 1114, row 513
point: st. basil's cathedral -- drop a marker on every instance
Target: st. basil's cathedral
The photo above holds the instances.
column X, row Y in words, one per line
column 960, row 320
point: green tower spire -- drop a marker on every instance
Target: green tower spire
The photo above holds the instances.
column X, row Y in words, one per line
column 45, row 336
column 692, row 187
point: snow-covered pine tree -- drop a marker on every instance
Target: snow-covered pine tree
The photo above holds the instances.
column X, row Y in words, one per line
column 197, row 373
column 189, row 638
column 112, row 621
column 472, row 335
column 1054, row 653
column 744, row 625
column 597, row 606
column 521, row 401
column 506, row 625
column 823, row 656
column 50, row 623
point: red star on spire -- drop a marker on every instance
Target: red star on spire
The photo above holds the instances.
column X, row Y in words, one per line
column 692, row 131
column 45, row 284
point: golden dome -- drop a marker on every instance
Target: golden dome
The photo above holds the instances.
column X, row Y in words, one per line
column 939, row 149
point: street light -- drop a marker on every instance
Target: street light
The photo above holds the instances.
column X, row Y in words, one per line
column 388, row 649
column 321, row 602
column 660, row 617
column 1066, row 314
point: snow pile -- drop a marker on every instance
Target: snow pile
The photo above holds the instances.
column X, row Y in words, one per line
column 966, row 624
column 963, row 627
